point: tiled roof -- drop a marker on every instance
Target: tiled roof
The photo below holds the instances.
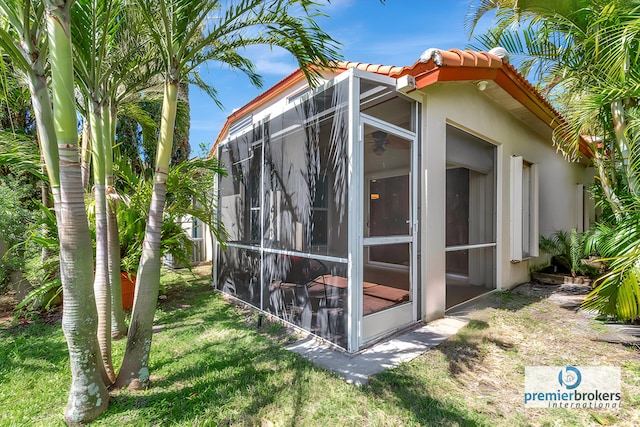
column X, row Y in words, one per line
column 436, row 65
column 459, row 58
column 387, row 70
column 433, row 58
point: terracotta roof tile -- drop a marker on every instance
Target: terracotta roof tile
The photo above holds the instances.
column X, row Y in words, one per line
column 459, row 58
column 434, row 58
column 387, row 70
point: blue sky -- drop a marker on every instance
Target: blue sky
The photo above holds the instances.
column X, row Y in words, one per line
column 393, row 33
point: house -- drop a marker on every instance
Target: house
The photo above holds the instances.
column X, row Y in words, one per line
column 388, row 195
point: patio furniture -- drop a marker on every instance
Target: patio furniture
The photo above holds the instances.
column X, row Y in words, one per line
column 302, row 274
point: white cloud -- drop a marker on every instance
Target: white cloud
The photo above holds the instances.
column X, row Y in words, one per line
column 271, row 61
column 266, row 66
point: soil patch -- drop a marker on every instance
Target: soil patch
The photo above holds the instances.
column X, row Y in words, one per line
column 8, row 303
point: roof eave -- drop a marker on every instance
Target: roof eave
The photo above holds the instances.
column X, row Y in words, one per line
column 434, row 66
column 511, row 82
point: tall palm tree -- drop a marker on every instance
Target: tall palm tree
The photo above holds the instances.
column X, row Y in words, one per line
column 113, row 64
column 32, row 27
column 134, row 69
column 88, row 396
column 23, row 39
column 187, row 34
column 582, row 53
column 95, row 23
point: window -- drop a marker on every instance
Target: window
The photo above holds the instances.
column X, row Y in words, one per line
column 239, row 191
column 524, row 209
column 584, row 205
column 297, row 95
column 241, row 125
column 195, row 228
column 254, row 208
column 389, row 215
column 320, row 213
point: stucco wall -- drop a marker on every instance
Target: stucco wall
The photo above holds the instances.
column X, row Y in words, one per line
column 464, row 106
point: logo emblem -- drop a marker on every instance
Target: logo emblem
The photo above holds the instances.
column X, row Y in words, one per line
column 569, row 377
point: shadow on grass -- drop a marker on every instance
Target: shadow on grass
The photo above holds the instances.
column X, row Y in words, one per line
column 404, row 389
column 35, row 347
column 428, row 392
column 512, row 300
column 468, row 348
column 414, row 385
column 244, row 374
column 230, row 386
column 226, row 375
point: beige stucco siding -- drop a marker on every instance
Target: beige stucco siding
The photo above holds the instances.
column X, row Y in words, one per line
column 464, row 106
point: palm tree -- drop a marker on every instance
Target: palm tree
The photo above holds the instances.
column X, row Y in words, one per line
column 95, row 25
column 187, row 34
column 113, row 66
column 134, row 69
column 582, row 53
column 23, row 39
column 88, row 396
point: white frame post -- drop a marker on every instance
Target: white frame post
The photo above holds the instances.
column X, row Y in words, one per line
column 355, row 213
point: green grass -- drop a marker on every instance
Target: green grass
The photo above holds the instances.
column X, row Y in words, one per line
column 212, row 365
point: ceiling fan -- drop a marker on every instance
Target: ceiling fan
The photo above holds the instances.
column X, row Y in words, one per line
column 379, row 142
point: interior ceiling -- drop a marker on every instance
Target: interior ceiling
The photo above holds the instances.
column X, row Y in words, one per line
column 390, row 106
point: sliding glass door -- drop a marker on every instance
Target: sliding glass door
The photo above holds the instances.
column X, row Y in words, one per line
column 471, row 216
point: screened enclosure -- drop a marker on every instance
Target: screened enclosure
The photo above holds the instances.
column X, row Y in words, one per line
column 366, row 205
column 471, row 217
column 319, row 203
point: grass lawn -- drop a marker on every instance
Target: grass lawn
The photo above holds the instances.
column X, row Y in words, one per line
column 212, row 365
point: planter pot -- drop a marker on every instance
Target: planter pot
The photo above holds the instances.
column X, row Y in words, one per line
column 20, row 284
column 128, row 282
column 560, row 279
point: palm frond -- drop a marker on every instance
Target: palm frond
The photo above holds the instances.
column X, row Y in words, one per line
column 20, row 154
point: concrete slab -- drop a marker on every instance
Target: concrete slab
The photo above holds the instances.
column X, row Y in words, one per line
column 356, row 368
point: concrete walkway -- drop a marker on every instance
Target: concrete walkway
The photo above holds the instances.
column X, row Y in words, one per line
column 356, row 368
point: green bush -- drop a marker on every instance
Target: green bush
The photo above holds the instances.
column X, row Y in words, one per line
column 189, row 194
column 568, row 252
column 617, row 293
column 16, row 218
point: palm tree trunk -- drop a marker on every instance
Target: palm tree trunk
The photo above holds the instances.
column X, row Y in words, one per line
column 607, row 186
column 46, row 253
column 101, row 286
column 118, row 325
column 41, row 103
column 88, row 396
column 134, row 373
column 86, row 154
column 620, row 130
